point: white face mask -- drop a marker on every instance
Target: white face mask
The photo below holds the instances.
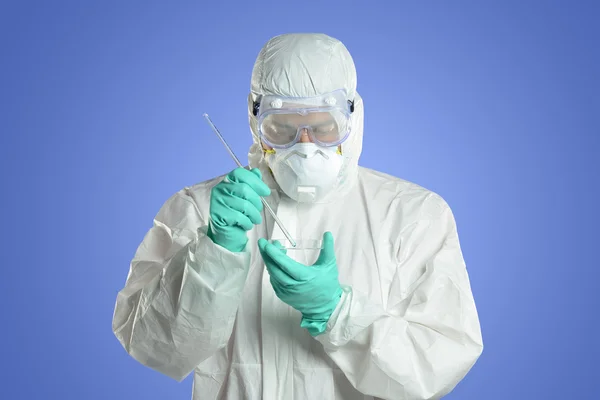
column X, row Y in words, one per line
column 306, row 172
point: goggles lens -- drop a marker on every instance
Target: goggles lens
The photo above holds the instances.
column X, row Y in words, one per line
column 325, row 128
column 326, row 119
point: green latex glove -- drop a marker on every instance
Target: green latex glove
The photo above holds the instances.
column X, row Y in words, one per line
column 235, row 208
column 313, row 290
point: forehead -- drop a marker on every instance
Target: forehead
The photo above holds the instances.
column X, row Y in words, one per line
column 296, row 118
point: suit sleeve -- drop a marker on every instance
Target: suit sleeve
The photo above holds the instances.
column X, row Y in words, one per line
column 181, row 296
column 426, row 339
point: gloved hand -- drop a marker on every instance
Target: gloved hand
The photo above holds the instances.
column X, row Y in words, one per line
column 313, row 290
column 235, row 208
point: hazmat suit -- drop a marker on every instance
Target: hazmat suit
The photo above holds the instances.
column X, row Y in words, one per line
column 406, row 325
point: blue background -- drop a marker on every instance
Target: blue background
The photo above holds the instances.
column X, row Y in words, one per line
column 494, row 106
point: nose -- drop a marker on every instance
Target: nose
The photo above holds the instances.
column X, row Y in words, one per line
column 304, row 138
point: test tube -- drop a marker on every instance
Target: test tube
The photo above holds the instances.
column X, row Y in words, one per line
column 237, row 161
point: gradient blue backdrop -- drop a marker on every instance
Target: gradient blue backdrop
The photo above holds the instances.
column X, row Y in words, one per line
column 494, row 106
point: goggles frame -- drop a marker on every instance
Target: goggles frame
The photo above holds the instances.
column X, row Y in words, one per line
column 256, row 110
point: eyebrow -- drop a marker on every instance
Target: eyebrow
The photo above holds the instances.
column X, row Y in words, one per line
column 291, row 126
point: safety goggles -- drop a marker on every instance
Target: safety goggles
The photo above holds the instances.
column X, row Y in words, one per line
column 282, row 121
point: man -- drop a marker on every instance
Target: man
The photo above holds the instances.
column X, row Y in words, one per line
column 385, row 312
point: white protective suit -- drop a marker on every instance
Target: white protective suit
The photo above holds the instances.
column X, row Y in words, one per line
column 406, row 326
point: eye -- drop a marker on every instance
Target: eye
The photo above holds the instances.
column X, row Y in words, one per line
column 278, row 128
column 324, row 129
